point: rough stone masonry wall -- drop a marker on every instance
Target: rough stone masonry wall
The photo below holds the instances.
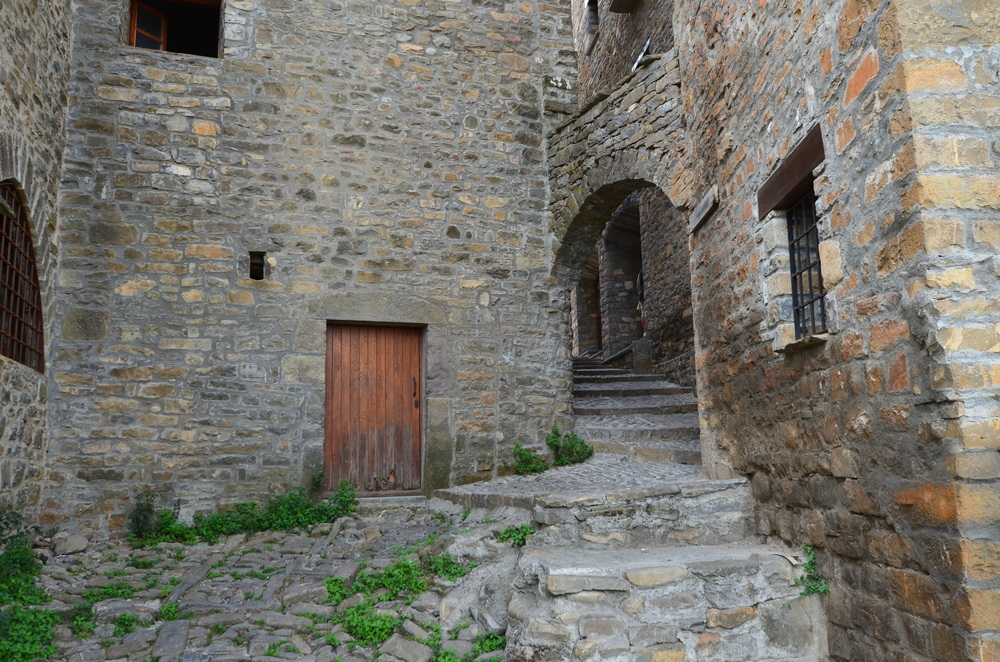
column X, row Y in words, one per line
column 388, row 155
column 620, row 38
column 855, row 445
column 620, row 321
column 34, row 73
column 666, row 260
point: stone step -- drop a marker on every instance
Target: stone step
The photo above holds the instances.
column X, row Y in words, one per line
column 732, row 602
column 640, row 404
column 608, row 377
column 628, row 389
column 695, row 511
column 669, row 452
column 637, row 427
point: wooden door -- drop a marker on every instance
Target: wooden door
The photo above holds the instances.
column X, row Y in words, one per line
column 373, row 407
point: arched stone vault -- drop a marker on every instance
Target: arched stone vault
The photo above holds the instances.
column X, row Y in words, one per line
column 630, row 139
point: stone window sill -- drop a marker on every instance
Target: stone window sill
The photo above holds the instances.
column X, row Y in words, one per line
column 803, row 343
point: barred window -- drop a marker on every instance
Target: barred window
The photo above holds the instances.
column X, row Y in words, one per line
column 808, row 295
column 21, row 335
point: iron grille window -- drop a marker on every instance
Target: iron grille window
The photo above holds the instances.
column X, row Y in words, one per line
column 807, row 281
column 21, row 335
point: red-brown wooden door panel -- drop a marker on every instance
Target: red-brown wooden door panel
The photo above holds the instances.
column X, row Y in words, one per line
column 373, row 402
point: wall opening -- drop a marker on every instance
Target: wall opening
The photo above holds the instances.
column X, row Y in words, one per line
column 22, row 336
column 179, row 26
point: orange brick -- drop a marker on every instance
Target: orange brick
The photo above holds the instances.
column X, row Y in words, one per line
column 978, row 503
column 933, row 74
column 981, row 610
column 929, row 503
column 899, row 377
column 867, row 69
column 887, row 333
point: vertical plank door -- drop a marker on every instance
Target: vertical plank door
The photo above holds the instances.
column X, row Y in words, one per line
column 373, row 407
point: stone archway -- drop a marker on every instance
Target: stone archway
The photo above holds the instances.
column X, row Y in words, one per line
column 627, row 141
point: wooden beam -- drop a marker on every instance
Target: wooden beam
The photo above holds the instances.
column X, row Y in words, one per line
column 793, row 177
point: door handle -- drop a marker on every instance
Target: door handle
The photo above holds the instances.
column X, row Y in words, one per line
column 414, row 387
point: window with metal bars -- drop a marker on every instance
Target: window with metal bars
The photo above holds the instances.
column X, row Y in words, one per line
column 808, row 295
column 21, row 335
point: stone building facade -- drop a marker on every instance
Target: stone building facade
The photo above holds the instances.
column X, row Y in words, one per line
column 873, row 441
column 34, row 77
column 387, row 162
column 459, row 168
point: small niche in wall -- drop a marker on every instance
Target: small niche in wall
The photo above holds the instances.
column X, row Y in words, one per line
column 258, row 265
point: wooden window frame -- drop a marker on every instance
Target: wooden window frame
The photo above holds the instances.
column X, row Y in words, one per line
column 134, row 25
column 22, row 333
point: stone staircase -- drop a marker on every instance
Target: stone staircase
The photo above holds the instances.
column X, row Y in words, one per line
column 636, row 555
column 644, row 418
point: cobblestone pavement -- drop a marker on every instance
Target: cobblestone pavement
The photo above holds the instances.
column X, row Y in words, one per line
column 262, row 597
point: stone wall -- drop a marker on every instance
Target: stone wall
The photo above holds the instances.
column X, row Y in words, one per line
column 876, row 443
column 848, row 440
column 388, row 156
column 665, row 259
column 620, row 262
column 612, row 51
column 586, row 315
column 34, row 69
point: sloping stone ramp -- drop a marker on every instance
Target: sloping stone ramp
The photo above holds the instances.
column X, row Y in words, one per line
column 645, row 561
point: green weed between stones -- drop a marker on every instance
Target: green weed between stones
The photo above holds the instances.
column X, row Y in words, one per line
column 813, row 581
column 26, row 632
column 125, row 623
column 296, row 509
column 517, row 535
column 567, row 448
column 485, row 643
column 527, row 461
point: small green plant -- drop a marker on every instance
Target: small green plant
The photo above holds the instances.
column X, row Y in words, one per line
column 239, row 640
column 367, row 626
column 332, row 640
column 337, row 590
column 813, row 581
column 117, row 572
column 400, row 578
column 214, row 574
column 458, row 628
column 142, row 564
column 237, row 575
column 83, row 623
column 296, row 509
column 274, row 648
column 527, row 461
column 26, row 633
column 170, row 611
column 444, row 565
column 122, row 590
column 517, row 535
column 250, row 595
column 125, row 623
column 488, row 642
column 465, row 514
column 567, row 448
